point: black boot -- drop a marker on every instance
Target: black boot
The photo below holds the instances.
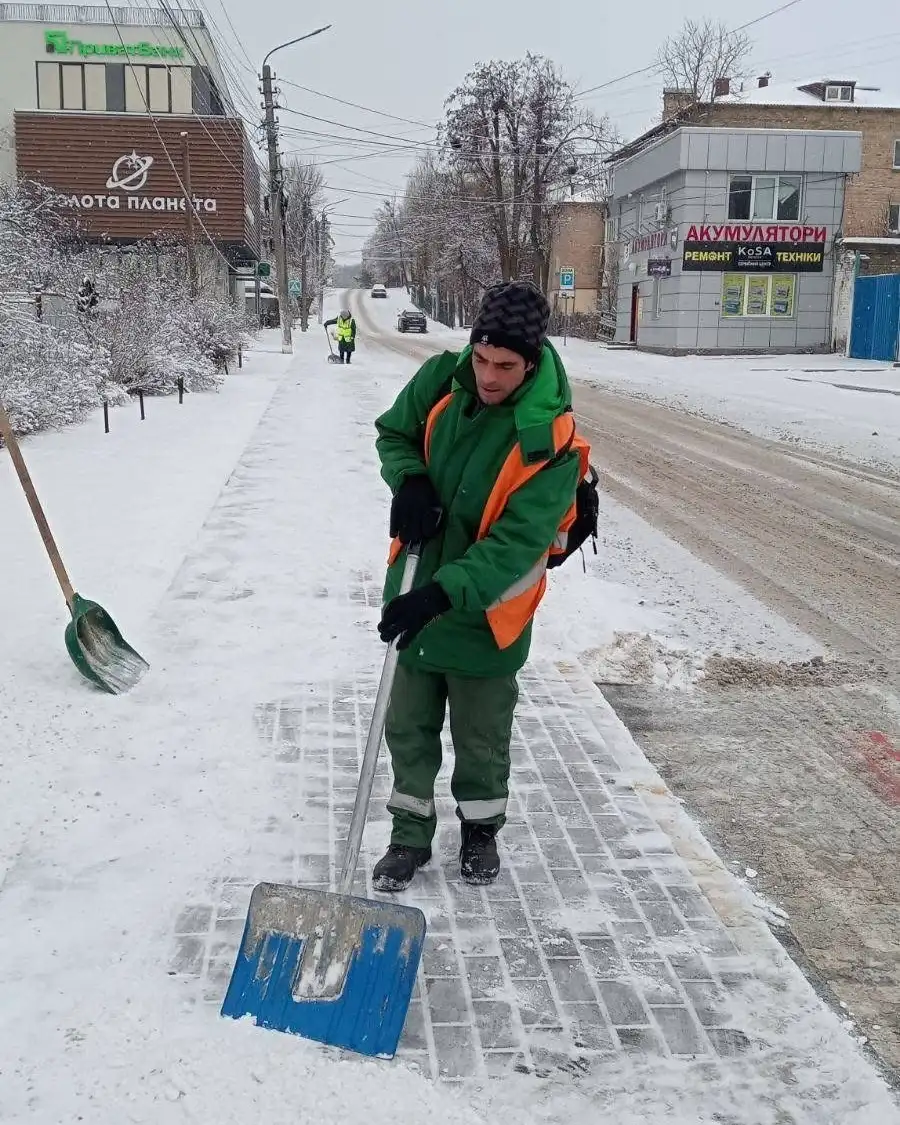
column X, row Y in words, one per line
column 395, row 870
column 479, row 862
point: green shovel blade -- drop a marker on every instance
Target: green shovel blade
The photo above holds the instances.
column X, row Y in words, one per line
column 99, row 651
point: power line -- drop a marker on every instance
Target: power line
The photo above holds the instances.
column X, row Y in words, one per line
column 356, row 105
column 187, row 198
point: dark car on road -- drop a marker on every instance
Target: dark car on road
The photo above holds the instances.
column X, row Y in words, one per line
column 411, row 320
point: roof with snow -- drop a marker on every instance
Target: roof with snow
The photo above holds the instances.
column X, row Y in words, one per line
column 805, row 93
column 802, row 93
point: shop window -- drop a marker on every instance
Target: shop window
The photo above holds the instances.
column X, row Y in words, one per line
column 758, row 295
column 764, row 197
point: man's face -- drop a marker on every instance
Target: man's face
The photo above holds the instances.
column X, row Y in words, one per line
column 498, row 372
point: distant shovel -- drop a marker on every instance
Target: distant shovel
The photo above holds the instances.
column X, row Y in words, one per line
column 331, row 966
column 332, row 358
column 94, row 643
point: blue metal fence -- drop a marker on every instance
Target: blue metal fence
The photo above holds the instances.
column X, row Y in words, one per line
column 875, row 327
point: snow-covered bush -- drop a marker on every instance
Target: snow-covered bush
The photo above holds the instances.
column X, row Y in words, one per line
column 148, row 332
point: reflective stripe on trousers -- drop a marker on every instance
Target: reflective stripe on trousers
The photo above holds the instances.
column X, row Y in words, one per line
column 419, row 806
column 483, row 810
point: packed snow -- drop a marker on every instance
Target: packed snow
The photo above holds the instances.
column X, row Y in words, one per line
column 820, row 402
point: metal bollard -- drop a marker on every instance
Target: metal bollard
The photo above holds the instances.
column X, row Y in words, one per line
column 180, row 390
column 105, row 416
column 240, row 356
column 141, row 401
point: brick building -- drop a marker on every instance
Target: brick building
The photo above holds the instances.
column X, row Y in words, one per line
column 872, row 202
column 578, row 244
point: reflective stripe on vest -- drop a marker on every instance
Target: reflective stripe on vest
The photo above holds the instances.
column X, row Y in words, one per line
column 344, row 329
column 510, row 614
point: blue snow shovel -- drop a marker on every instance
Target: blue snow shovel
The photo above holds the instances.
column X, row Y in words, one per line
column 330, row 966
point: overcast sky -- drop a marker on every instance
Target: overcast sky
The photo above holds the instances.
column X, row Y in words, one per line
column 403, row 57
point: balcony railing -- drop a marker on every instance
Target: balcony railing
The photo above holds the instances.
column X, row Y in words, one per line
column 92, row 14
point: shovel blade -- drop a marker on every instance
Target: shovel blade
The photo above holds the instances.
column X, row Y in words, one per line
column 333, row 968
column 99, row 651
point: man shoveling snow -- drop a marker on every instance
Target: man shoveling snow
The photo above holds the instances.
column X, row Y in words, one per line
column 481, row 454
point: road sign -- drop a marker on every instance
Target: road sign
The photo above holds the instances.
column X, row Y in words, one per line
column 567, row 281
column 294, row 289
column 263, row 269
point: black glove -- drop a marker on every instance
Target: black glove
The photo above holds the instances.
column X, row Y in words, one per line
column 416, row 511
column 407, row 615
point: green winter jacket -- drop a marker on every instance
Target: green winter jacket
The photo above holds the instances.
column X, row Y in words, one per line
column 469, row 444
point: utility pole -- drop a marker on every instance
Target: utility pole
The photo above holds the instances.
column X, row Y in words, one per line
column 189, row 213
column 305, row 216
column 276, row 210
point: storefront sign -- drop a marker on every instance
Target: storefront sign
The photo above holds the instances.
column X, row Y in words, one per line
column 122, row 175
column 753, row 232
column 659, row 267
column 59, row 43
column 752, row 257
column 645, row 242
column 129, row 174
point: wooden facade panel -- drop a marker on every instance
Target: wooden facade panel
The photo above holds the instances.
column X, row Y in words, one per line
column 117, row 170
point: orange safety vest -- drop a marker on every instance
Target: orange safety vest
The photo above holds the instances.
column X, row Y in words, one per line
column 509, row 615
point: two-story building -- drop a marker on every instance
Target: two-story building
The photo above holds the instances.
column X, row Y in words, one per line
column 126, row 113
column 871, row 218
column 727, row 237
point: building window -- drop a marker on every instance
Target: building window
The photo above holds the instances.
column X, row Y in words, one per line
column 894, row 218
column 758, row 295
column 72, row 85
column 838, row 93
column 48, row 86
column 764, row 197
column 115, row 87
column 897, row 154
column 206, row 100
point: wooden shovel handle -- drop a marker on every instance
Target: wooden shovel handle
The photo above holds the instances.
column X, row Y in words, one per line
column 12, row 444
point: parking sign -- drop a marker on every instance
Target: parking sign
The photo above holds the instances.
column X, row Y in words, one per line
column 567, row 280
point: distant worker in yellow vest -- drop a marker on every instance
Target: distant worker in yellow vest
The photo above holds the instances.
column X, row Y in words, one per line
column 481, row 453
column 345, row 334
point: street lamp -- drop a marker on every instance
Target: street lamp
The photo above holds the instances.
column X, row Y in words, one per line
column 275, row 191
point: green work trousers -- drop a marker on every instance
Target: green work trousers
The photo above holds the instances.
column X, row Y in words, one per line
column 481, row 717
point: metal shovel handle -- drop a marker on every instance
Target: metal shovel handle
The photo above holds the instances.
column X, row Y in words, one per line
column 373, row 742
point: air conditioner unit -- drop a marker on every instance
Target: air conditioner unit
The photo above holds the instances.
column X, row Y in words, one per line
column 662, row 212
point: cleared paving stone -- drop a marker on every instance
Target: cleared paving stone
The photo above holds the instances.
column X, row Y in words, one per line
column 679, row 1031
column 494, row 1021
column 623, row 1003
column 446, row 999
column 572, row 981
column 455, row 1051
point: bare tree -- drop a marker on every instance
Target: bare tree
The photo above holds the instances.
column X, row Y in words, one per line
column 701, row 53
column 515, row 132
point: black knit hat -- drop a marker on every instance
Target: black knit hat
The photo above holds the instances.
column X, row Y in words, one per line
column 514, row 315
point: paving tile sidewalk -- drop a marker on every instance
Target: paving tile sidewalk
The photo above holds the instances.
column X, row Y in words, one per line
column 614, row 935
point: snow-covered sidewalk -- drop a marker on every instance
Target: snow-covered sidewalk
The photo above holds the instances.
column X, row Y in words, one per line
column 616, row 973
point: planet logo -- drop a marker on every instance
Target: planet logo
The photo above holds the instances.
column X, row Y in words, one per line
column 130, row 172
